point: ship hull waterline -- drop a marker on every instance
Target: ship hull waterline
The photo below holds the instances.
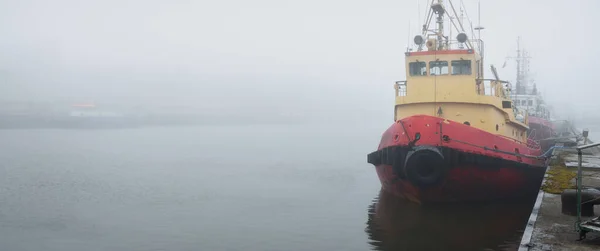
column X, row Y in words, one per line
column 427, row 159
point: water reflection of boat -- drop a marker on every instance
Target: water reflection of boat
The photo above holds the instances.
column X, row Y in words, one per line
column 400, row 225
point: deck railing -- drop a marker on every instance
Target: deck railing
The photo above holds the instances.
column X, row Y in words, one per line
column 453, row 44
column 400, row 88
column 590, row 225
column 491, row 87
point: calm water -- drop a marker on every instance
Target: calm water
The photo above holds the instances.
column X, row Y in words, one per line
column 222, row 188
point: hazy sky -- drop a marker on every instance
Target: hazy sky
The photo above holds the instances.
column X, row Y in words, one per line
column 324, row 55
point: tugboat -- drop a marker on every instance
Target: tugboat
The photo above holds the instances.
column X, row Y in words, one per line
column 527, row 98
column 456, row 136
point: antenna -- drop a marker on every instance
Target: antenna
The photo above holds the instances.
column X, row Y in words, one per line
column 479, row 17
column 408, row 38
column 419, row 9
column 462, row 16
column 479, row 27
column 519, row 73
column 450, row 25
column 468, row 18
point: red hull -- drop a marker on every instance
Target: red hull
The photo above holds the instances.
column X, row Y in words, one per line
column 541, row 130
column 453, row 162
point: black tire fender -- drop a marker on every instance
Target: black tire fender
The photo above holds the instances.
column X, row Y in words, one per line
column 425, row 166
column 398, row 162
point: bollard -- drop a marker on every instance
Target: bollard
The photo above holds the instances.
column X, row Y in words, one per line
column 589, row 198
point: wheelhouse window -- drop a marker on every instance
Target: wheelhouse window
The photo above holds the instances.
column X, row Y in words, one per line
column 461, row 67
column 530, row 102
column 417, row 68
column 438, row 67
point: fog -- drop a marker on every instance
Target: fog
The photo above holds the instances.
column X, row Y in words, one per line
column 326, row 66
column 317, row 60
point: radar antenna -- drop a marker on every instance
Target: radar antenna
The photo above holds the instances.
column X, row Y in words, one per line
column 435, row 39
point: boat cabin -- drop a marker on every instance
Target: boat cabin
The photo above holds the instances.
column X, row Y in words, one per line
column 533, row 104
column 449, row 83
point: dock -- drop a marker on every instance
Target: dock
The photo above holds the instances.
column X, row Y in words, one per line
column 548, row 228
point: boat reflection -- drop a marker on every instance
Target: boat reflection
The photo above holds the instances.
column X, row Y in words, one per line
column 395, row 224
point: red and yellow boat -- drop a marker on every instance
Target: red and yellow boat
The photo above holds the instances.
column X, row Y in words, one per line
column 457, row 136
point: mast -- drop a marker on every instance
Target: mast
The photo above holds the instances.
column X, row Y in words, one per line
column 434, row 38
column 439, row 10
column 519, row 73
column 522, row 68
column 478, row 29
column 479, row 19
column 528, row 81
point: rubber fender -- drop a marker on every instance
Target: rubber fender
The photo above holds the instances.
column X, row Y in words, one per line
column 399, row 162
column 425, row 166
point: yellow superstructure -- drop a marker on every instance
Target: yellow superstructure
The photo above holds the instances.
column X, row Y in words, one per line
column 449, row 84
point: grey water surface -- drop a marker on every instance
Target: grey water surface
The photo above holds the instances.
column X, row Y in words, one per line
column 259, row 187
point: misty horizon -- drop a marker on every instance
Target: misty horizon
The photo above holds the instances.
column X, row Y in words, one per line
column 340, row 58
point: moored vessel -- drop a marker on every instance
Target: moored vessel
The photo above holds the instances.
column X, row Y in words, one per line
column 456, row 136
column 527, row 98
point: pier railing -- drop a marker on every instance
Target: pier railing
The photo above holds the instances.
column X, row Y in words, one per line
column 591, row 225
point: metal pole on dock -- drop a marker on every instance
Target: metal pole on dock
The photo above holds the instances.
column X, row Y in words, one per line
column 582, row 230
column 579, row 157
